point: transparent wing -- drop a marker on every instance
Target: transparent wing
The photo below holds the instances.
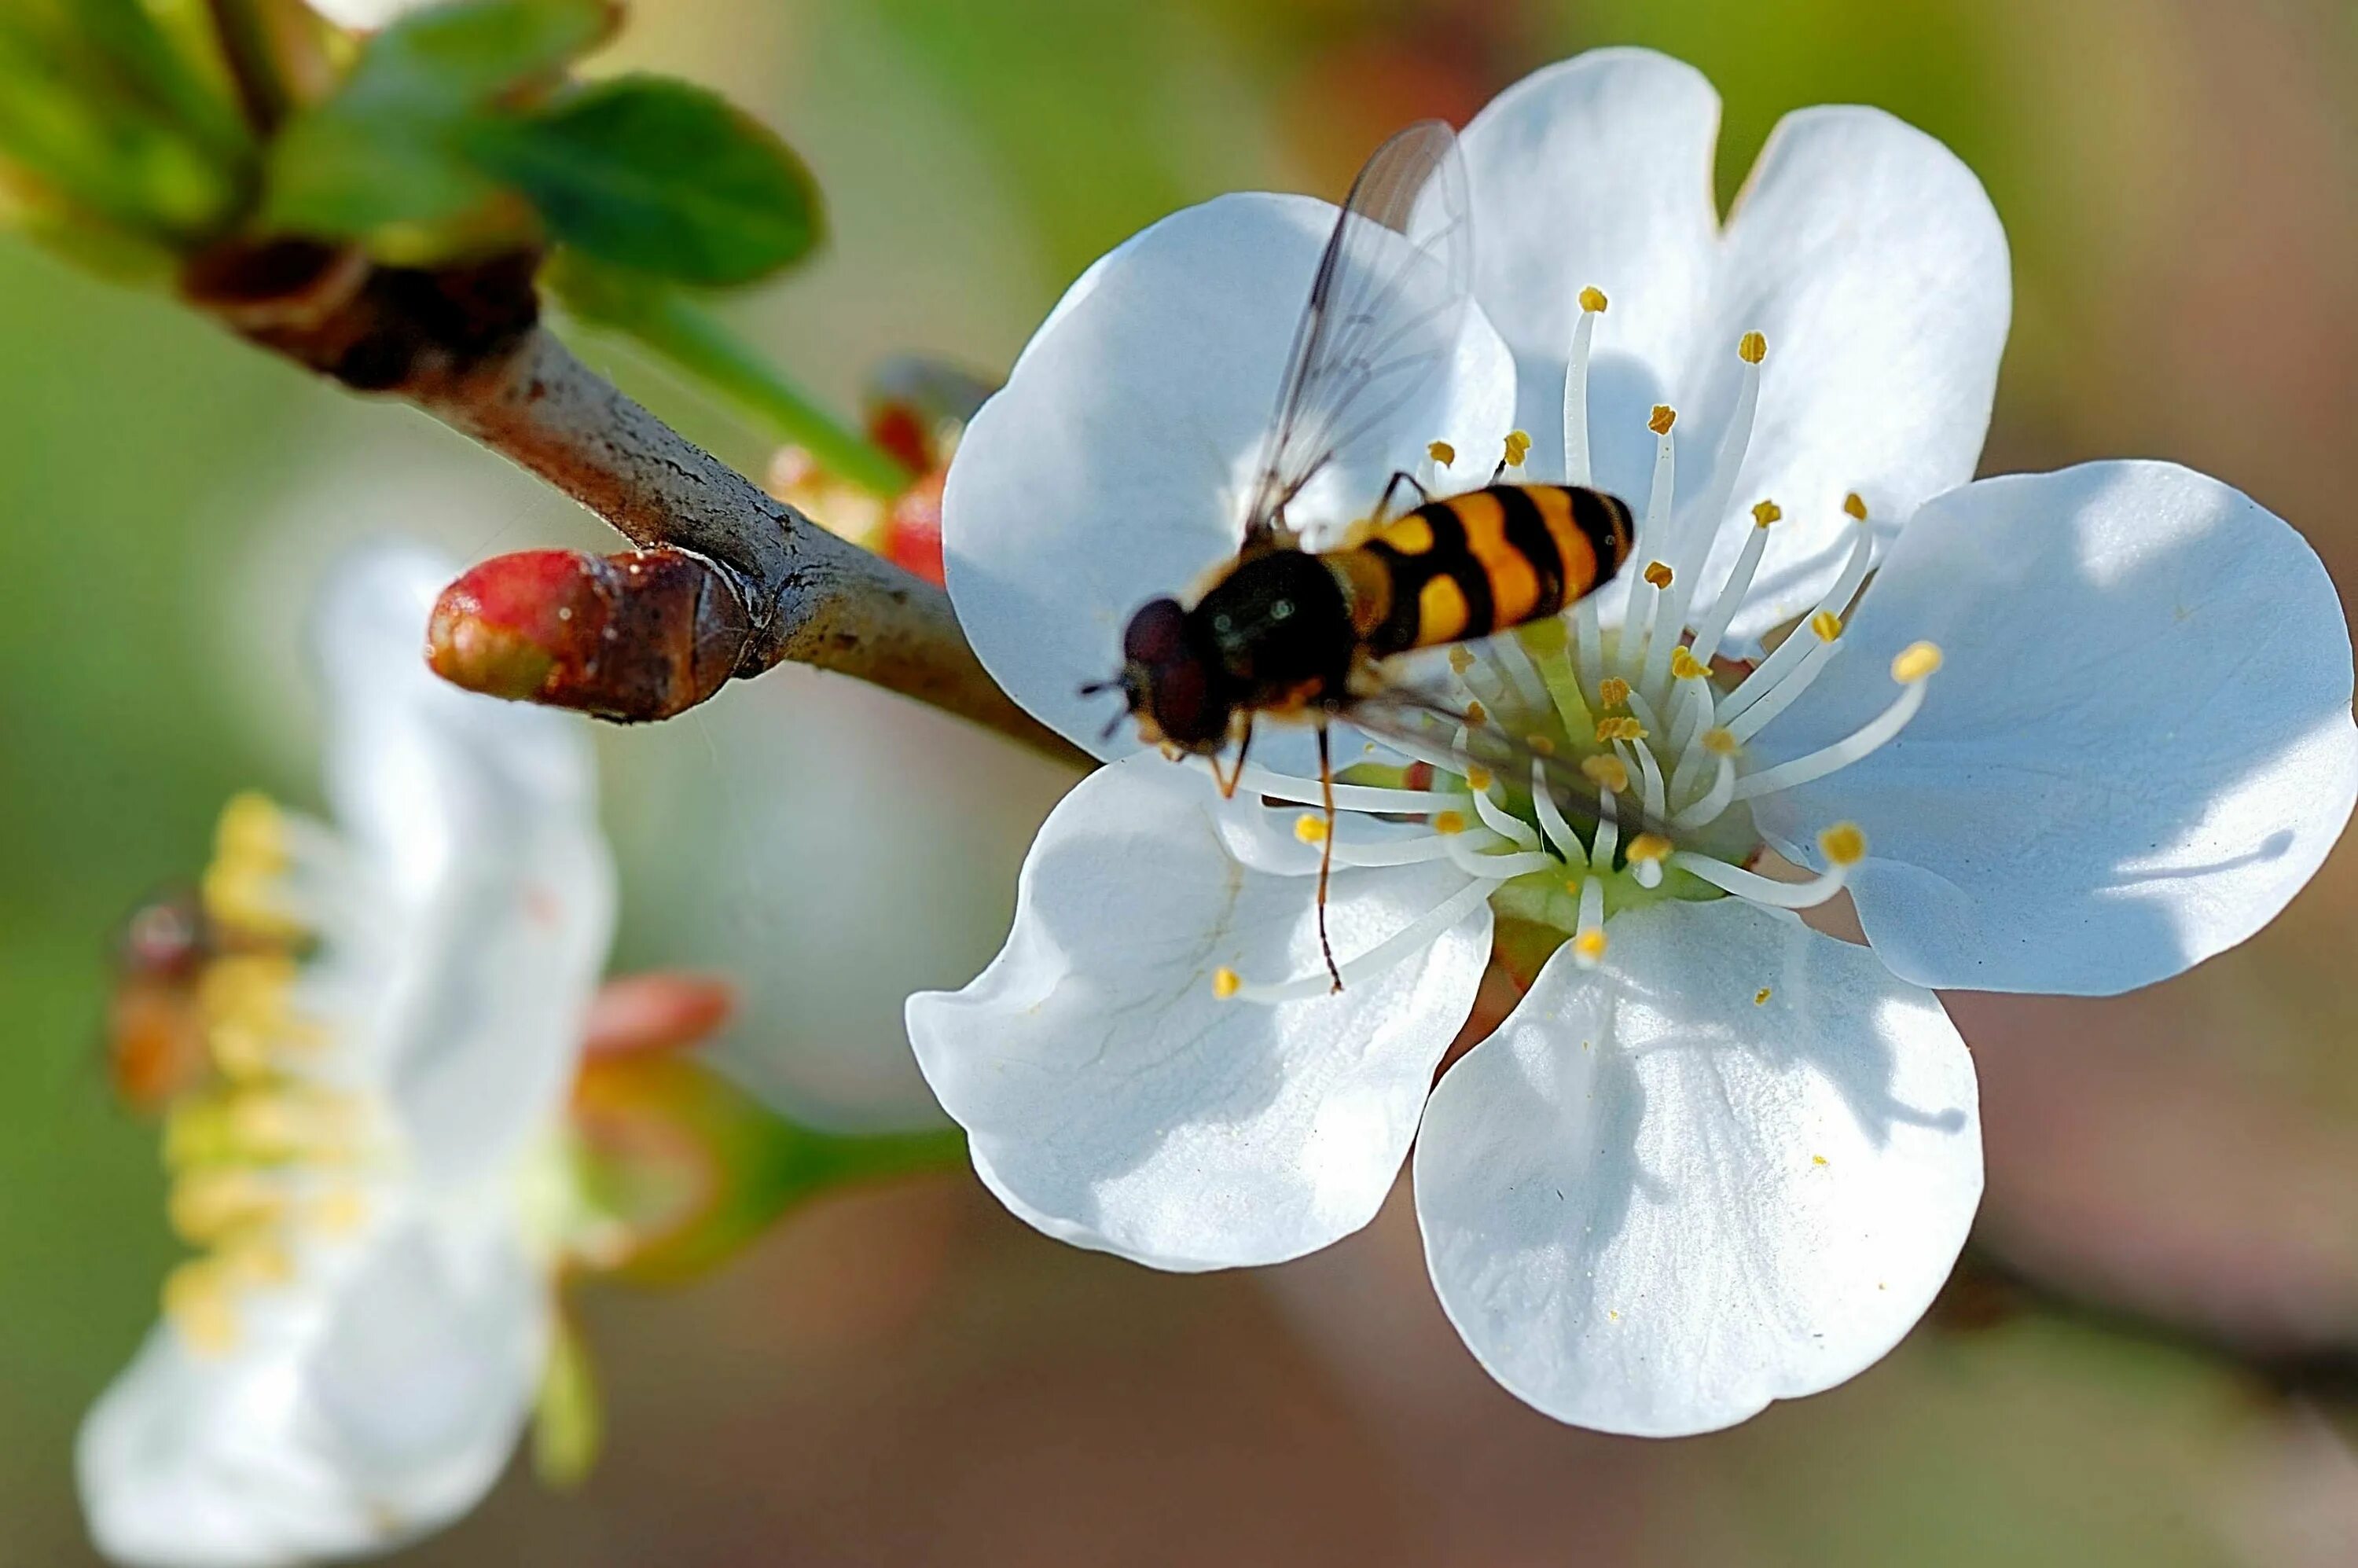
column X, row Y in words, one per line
column 1383, row 315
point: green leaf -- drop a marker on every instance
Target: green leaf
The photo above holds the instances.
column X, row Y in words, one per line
column 100, row 112
column 659, row 176
column 449, row 58
column 389, row 149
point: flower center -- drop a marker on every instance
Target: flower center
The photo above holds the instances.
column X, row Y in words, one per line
column 1598, row 769
column 285, row 1147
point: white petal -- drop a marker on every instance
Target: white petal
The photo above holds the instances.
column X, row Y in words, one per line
column 344, row 1428
column 2138, row 748
column 1873, row 262
column 489, row 883
column 1652, row 1203
column 1597, row 172
column 1115, row 465
column 1113, row 1101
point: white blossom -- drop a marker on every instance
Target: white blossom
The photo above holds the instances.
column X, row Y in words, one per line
column 394, row 1022
column 2082, row 730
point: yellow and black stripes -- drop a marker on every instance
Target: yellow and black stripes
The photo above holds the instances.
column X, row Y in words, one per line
column 1466, row 566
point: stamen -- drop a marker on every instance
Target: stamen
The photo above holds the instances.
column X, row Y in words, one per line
column 1638, row 614
column 1646, row 854
column 1438, row 456
column 1652, row 790
column 1518, row 446
column 1588, row 941
column 1685, row 665
column 1559, row 831
column 1751, row 349
column 1739, row 583
column 1822, row 647
column 1415, row 937
column 1310, row 827
column 1576, row 469
column 1608, row 833
column 1611, row 730
column 1608, row 774
column 1912, row 669
column 1612, row 692
column 1754, row 888
column 1792, row 650
column 1714, row 800
column 1446, row 823
column 1348, row 797
column 1499, row 820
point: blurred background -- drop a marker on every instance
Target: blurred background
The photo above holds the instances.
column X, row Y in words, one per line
column 2155, row 1360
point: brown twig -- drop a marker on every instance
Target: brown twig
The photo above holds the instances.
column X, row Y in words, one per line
column 466, row 345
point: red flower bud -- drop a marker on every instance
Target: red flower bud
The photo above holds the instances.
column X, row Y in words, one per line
column 641, row 635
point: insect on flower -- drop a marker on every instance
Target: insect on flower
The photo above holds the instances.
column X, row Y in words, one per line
column 1286, row 631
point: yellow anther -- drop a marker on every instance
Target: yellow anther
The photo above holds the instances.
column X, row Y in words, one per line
column 1589, row 946
column 1721, row 743
column 1226, row 982
column 1752, row 348
column 1518, row 446
column 1620, row 730
column 239, row 893
column 287, row 1122
column 1826, row 624
column 339, row 1212
column 208, row 1205
column 1612, row 692
column 1658, row 573
column 248, row 988
column 1611, row 773
column 1540, row 746
column 1477, row 778
column 1649, row 847
column 254, row 1258
column 251, row 831
column 1685, row 665
column 1592, row 299
column 1477, row 715
column 1817, row 1159
column 1461, row 658
column 1843, row 844
column 1916, row 662
column 1760, row 997
column 200, row 1302
column 1662, row 419
column 1856, row 504
column 1766, row 512
column 1448, row 822
column 1442, row 452
column 1310, row 827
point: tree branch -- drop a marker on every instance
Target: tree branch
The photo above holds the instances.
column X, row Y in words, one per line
column 744, row 581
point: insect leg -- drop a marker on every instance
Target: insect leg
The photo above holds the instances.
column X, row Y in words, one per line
column 1236, row 772
column 1326, row 852
column 1383, row 511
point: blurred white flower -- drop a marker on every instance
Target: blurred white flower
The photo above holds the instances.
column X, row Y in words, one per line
column 395, row 1022
column 1713, row 1157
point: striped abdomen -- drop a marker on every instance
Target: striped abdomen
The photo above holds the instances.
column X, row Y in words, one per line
column 1466, row 566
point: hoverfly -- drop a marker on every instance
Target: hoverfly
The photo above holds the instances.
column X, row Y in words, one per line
column 1287, row 632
